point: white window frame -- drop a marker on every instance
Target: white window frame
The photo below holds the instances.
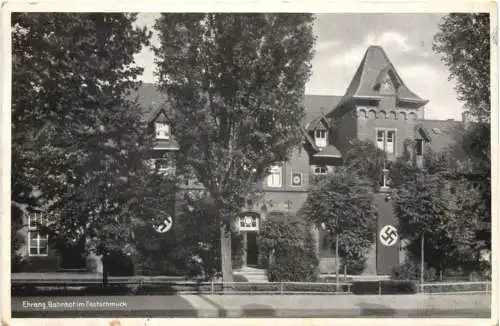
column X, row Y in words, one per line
column 301, row 179
column 162, row 130
column 320, row 138
column 275, row 177
column 320, row 167
column 254, row 224
column 382, row 142
column 33, row 229
column 380, row 138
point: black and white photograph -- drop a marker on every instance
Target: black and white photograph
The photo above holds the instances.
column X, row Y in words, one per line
column 215, row 164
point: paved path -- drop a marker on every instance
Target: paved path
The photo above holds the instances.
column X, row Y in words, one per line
column 331, row 306
column 477, row 306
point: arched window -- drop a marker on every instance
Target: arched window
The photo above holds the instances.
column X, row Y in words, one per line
column 382, row 115
column 372, row 114
column 402, row 115
column 362, row 113
column 412, row 116
column 393, row 115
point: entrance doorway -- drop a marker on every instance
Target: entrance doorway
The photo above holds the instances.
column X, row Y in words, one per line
column 252, row 249
column 72, row 257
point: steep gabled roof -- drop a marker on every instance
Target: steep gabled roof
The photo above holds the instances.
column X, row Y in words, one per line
column 329, row 151
column 372, row 69
column 320, row 123
column 317, row 106
column 151, row 101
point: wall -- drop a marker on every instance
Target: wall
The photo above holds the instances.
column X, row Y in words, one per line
column 274, row 199
column 387, row 115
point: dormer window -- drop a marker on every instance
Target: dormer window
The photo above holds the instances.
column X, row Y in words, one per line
column 320, row 170
column 320, row 138
column 162, row 130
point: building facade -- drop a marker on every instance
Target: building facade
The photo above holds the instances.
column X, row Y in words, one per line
column 377, row 106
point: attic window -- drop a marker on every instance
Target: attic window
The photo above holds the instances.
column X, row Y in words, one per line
column 320, row 138
column 320, row 170
column 162, row 130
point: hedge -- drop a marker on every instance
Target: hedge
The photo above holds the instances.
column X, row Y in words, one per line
column 384, row 287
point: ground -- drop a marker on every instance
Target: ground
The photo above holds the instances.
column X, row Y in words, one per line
column 331, row 306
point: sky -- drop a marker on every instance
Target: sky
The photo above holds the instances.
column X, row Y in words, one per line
column 342, row 40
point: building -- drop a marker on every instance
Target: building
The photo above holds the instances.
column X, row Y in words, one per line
column 377, row 106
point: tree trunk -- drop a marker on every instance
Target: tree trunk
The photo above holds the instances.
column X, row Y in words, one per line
column 225, row 252
column 105, row 270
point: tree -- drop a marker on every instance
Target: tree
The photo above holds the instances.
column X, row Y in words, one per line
column 439, row 204
column 287, row 240
column 367, row 161
column 236, row 84
column 343, row 203
column 77, row 141
column 463, row 42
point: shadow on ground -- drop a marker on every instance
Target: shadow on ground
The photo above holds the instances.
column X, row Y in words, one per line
column 257, row 311
column 376, row 310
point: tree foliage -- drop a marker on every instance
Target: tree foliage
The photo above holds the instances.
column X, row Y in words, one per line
column 287, row 242
column 343, row 203
column 187, row 249
column 441, row 204
column 236, row 85
column 77, row 141
column 463, row 41
column 367, row 161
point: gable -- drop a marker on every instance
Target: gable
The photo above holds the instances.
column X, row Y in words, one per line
column 160, row 117
column 424, row 134
column 318, row 124
column 374, row 69
column 387, row 81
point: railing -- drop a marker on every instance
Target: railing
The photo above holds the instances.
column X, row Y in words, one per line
column 145, row 286
column 456, row 287
column 139, row 286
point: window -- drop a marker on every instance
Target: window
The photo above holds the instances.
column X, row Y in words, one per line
column 386, row 140
column 391, row 136
column 162, row 130
column 275, row 177
column 248, row 223
column 419, row 146
column 38, row 244
column 320, row 170
column 380, row 139
column 320, row 138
